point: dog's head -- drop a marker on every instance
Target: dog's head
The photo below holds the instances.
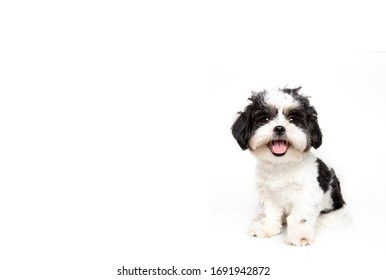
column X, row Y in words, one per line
column 278, row 124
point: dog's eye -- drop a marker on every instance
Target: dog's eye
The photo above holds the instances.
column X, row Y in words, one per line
column 264, row 119
column 292, row 119
column 296, row 117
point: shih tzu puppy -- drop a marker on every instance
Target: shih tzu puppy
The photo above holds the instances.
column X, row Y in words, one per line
column 295, row 187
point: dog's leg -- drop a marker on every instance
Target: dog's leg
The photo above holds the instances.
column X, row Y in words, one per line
column 301, row 226
column 268, row 223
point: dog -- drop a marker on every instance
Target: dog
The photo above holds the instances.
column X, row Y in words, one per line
column 280, row 127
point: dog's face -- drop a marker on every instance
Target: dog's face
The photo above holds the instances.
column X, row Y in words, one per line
column 278, row 126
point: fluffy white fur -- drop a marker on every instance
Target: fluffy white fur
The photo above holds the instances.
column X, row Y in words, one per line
column 291, row 191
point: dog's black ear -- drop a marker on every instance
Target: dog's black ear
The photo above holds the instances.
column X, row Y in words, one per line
column 314, row 129
column 245, row 124
column 241, row 131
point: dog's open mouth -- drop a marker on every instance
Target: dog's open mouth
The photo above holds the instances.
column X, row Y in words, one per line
column 279, row 147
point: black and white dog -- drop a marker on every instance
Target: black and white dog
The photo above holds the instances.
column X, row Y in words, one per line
column 279, row 127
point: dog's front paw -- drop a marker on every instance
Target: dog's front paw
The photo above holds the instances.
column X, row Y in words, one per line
column 257, row 229
column 299, row 238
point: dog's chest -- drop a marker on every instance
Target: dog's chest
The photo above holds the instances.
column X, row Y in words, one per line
column 286, row 185
column 280, row 181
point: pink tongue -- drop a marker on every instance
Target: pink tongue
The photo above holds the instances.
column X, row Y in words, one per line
column 278, row 147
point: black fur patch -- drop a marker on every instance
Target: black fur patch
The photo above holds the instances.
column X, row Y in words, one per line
column 256, row 114
column 324, row 175
column 328, row 180
column 291, row 90
column 306, row 116
column 336, row 194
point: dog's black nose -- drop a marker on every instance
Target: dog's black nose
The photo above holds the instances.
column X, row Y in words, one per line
column 279, row 130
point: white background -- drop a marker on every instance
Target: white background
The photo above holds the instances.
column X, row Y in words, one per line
column 115, row 143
